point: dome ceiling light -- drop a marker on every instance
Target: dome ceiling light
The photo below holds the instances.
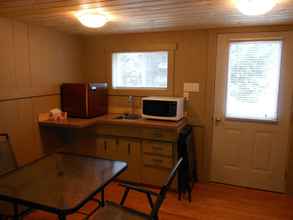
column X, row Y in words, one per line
column 255, row 7
column 91, row 18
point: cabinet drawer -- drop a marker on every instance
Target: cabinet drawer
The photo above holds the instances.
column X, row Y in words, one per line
column 158, row 148
column 159, row 134
column 118, row 131
column 157, row 161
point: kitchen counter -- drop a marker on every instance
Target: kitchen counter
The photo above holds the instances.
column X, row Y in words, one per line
column 109, row 119
column 149, row 146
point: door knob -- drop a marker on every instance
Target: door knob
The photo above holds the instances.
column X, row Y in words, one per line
column 218, row 119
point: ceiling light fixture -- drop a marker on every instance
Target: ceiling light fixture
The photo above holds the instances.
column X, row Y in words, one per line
column 91, row 18
column 255, row 7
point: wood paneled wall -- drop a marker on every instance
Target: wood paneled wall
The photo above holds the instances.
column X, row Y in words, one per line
column 33, row 63
column 190, row 62
column 190, row 66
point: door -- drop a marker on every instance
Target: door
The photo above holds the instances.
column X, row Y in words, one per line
column 124, row 149
column 106, row 147
column 130, row 151
column 252, row 110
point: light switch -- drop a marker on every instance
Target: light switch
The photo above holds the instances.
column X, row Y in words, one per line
column 195, row 87
column 187, row 87
column 186, row 96
column 191, row 87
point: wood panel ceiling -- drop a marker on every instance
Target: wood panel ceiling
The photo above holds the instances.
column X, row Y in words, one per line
column 141, row 15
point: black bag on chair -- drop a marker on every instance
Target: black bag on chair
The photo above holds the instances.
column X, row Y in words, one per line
column 187, row 173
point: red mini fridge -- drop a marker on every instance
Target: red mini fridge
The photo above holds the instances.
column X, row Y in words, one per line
column 84, row 100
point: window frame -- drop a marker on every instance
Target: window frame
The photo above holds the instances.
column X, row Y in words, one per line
column 169, row 91
column 141, row 88
column 279, row 83
column 224, row 43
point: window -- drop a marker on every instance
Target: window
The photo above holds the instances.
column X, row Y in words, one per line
column 253, row 80
column 140, row 70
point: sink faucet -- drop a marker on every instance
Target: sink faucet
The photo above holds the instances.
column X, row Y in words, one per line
column 131, row 100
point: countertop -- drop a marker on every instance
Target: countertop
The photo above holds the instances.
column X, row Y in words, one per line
column 109, row 119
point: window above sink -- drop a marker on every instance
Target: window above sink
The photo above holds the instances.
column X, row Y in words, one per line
column 141, row 70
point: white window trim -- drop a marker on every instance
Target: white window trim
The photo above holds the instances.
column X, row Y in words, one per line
column 140, row 88
column 170, row 48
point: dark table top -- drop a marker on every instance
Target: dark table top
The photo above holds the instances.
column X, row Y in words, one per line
column 59, row 182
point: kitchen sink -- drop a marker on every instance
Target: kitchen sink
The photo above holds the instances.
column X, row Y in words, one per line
column 128, row 117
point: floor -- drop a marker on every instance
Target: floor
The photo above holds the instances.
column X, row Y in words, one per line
column 210, row 202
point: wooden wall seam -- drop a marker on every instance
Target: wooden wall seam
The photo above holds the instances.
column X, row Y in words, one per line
column 28, row 54
column 28, row 97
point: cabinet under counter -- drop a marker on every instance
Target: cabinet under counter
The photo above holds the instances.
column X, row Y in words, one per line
column 151, row 153
column 149, row 146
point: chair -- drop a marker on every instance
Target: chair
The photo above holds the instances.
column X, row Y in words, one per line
column 113, row 211
column 8, row 163
column 7, row 158
column 187, row 174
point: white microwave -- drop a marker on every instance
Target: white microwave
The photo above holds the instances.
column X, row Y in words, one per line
column 163, row 108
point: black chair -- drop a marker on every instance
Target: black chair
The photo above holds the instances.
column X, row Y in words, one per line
column 113, row 211
column 8, row 163
column 187, row 174
column 7, row 158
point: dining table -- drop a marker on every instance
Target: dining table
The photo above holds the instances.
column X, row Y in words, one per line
column 59, row 183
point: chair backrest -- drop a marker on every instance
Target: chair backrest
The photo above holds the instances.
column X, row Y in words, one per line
column 164, row 189
column 7, row 157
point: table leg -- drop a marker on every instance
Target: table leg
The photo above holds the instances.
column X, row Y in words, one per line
column 102, row 202
column 15, row 212
column 62, row 217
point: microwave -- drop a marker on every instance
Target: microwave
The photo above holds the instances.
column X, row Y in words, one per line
column 163, row 108
column 84, row 100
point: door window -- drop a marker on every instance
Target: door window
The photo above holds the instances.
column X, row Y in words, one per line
column 253, row 80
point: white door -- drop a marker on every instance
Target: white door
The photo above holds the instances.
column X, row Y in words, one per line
column 252, row 110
